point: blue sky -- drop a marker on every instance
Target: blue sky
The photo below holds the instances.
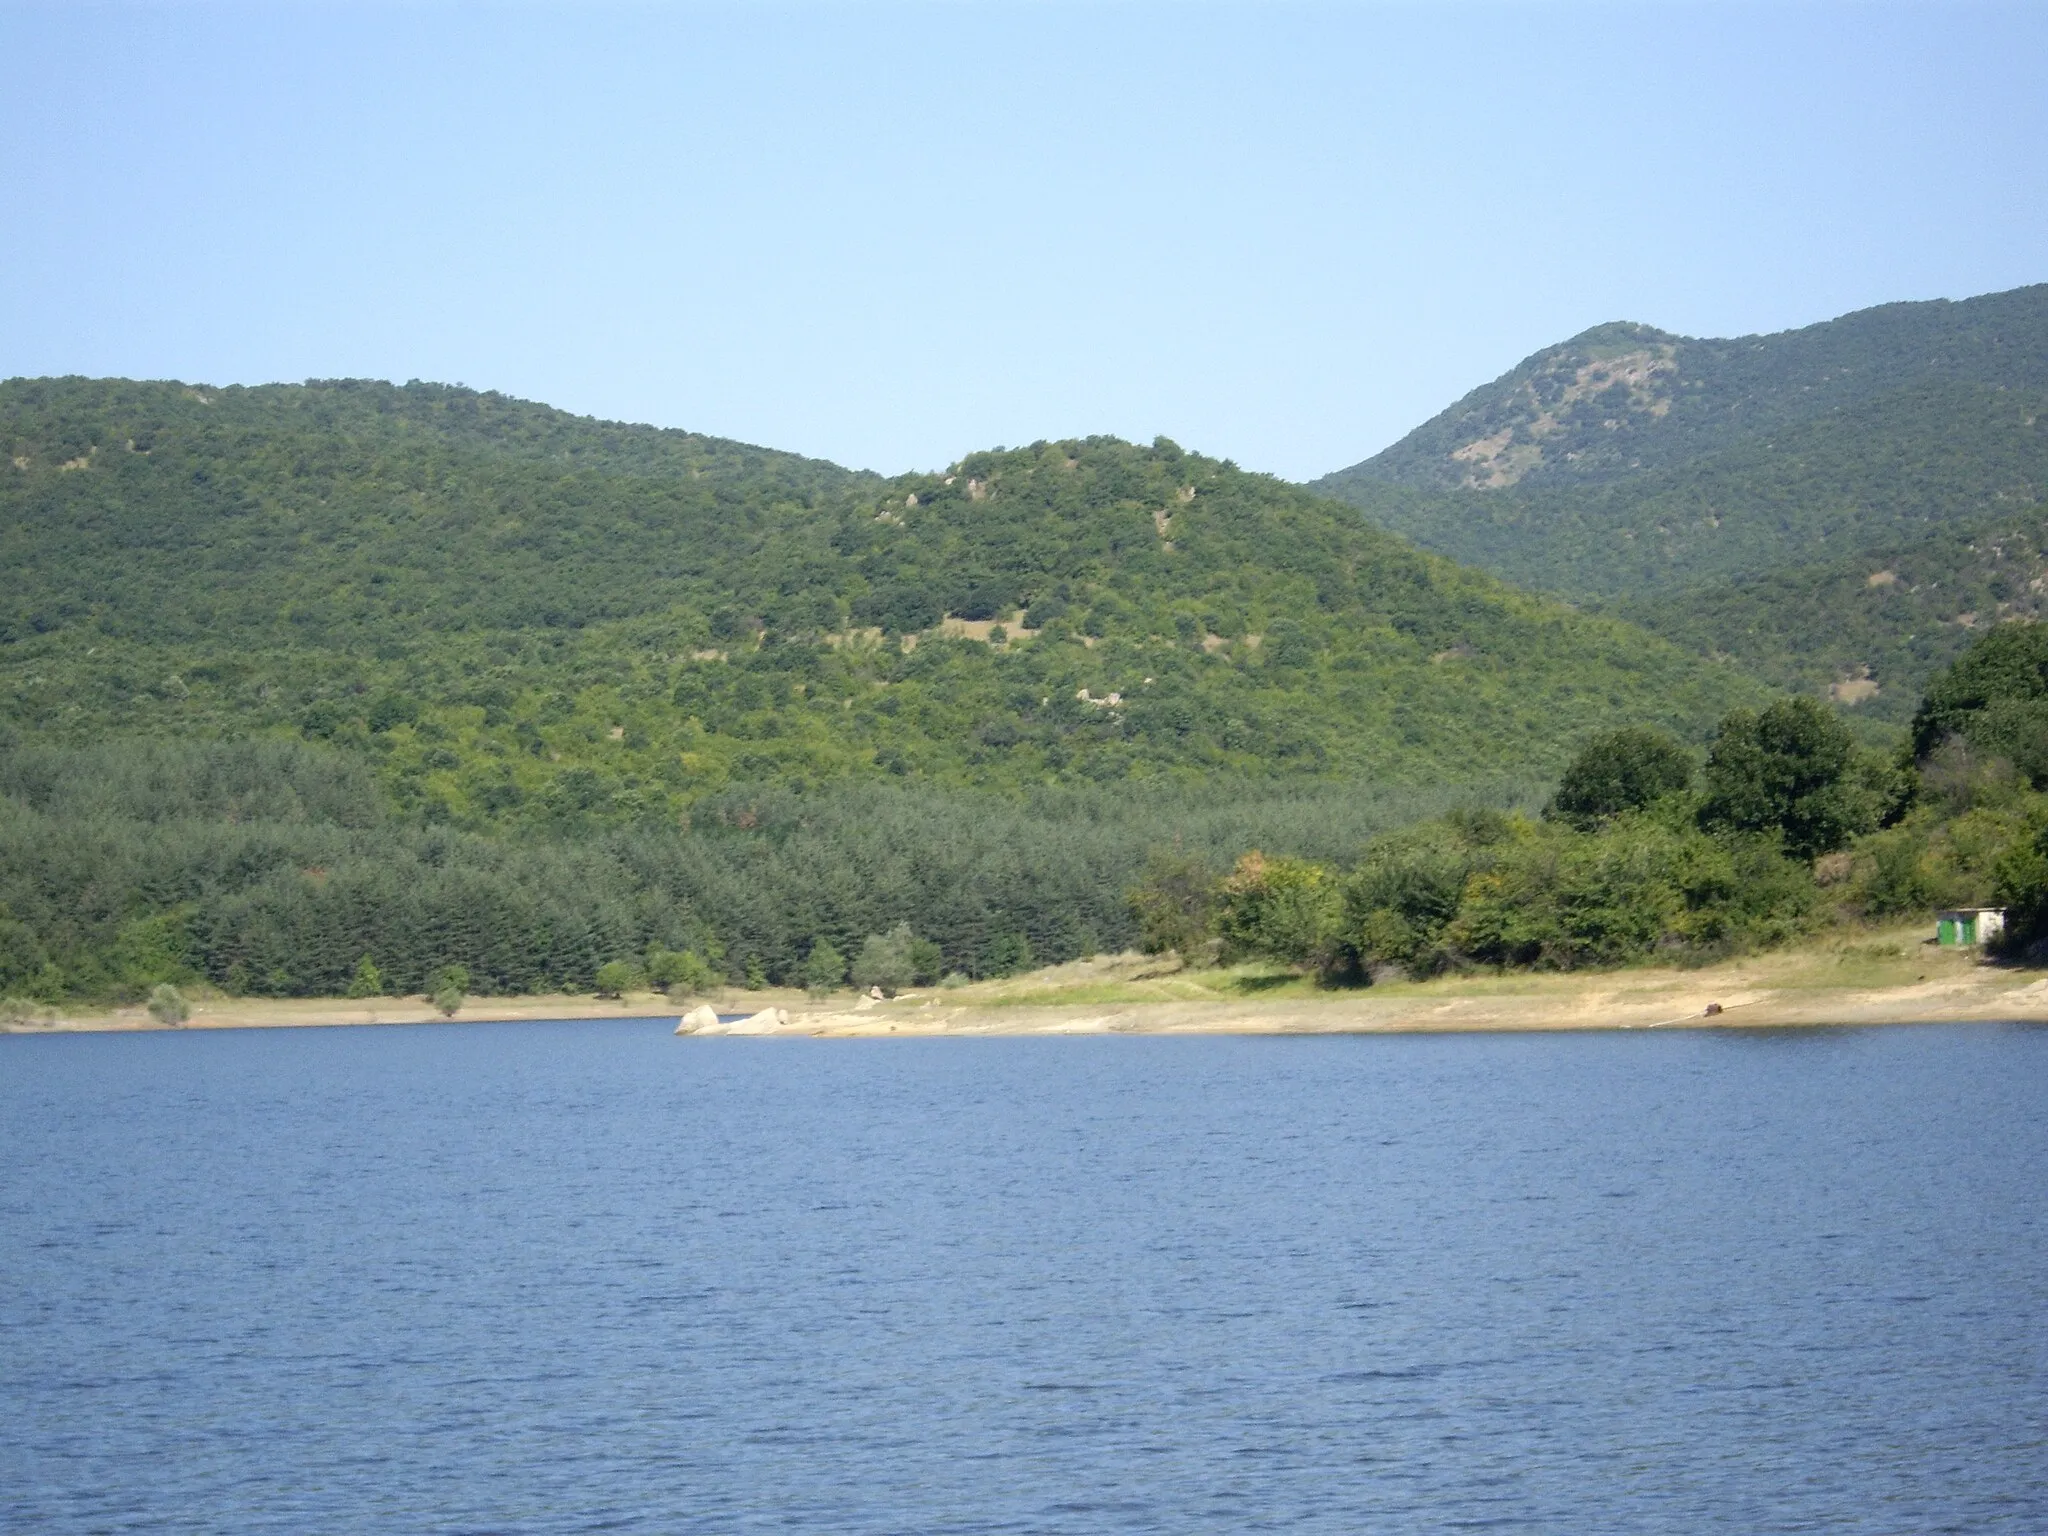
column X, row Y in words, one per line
column 890, row 234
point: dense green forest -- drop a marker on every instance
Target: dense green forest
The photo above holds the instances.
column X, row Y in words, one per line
column 523, row 620
column 1875, row 475
column 1646, row 852
column 1621, row 399
column 274, row 867
column 1871, row 627
column 305, row 687
column 1627, row 462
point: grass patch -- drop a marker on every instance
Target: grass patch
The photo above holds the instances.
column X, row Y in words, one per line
column 1136, row 980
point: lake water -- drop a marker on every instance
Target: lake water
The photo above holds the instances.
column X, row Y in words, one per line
column 584, row 1277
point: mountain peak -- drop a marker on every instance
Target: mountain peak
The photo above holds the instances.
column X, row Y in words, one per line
column 1623, row 397
column 1557, row 406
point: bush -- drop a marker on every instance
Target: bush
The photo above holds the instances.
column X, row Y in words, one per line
column 682, row 973
column 447, row 988
column 2020, row 885
column 824, row 968
column 897, row 959
column 1406, row 889
column 1568, row 900
column 1896, row 879
column 1289, row 910
column 1175, row 905
column 24, row 1010
column 615, row 978
column 368, row 981
column 167, row 1005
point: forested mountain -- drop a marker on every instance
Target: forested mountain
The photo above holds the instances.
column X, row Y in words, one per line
column 327, row 428
column 295, row 675
column 524, row 618
column 1628, row 461
column 1868, row 629
column 1620, row 398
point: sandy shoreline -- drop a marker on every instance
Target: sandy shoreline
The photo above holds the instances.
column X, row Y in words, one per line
column 1860, row 979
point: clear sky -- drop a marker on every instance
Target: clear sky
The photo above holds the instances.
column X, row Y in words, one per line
column 890, row 234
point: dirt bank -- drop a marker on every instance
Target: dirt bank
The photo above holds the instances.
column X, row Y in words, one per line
column 1867, row 978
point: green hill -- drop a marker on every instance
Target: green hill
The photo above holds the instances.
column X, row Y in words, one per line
column 1869, row 628
column 525, row 618
column 1628, row 461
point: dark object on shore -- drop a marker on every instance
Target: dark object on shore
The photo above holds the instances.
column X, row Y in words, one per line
column 1712, row 1009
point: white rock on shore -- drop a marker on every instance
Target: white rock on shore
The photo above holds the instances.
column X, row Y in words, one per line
column 704, row 1020
column 767, row 1021
column 701, row 1020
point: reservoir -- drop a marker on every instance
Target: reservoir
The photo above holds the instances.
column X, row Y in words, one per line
column 588, row 1277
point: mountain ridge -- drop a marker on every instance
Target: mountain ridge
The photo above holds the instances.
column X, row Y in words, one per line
column 1663, row 397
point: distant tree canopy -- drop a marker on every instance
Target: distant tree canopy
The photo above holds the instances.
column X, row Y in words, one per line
column 524, row 620
column 1880, row 620
column 1785, row 770
column 1833, row 507
column 1995, row 697
column 1618, row 771
column 1627, row 461
column 343, row 687
column 270, row 868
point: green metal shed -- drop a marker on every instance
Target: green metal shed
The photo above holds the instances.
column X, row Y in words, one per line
column 1968, row 925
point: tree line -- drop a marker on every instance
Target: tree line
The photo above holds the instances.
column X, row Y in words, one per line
column 1644, row 850
column 275, row 868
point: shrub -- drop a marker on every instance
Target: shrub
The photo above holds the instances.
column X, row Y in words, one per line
column 897, row 959
column 824, row 968
column 1289, row 910
column 1576, row 899
column 1175, row 905
column 447, row 988
column 24, row 1010
column 1897, row 879
column 368, row 981
column 615, row 978
column 682, row 973
column 1408, row 886
column 167, row 1005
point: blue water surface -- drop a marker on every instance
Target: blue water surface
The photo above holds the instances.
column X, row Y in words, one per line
column 586, row 1276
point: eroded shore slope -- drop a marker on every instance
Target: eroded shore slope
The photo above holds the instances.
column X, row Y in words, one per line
column 1876, row 978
